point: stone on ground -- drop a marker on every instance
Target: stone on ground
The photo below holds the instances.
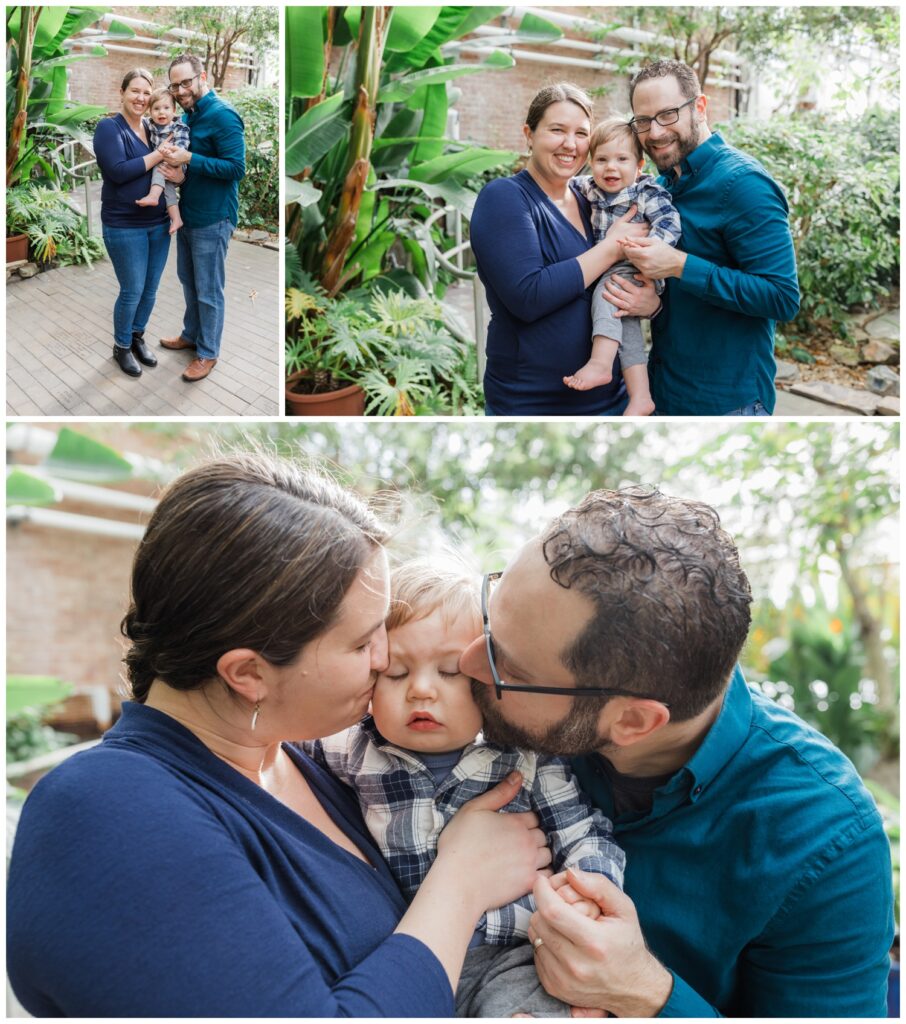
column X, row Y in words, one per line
column 786, row 372
column 883, row 381
column 889, row 406
column 835, row 394
column 878, row 351
column 846, row 355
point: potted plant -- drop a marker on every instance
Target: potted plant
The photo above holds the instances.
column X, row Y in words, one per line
column 394, row 352
column 53, row 229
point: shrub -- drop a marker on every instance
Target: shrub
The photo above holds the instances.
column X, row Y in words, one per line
column 57, row 232
column 841, row 179
column 259, row 190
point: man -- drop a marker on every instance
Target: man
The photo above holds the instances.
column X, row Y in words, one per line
column 734, row 271
column 209, row 205
column 758, row 876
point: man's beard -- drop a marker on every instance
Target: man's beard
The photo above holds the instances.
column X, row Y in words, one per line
column 686, row 144
column 575, row 735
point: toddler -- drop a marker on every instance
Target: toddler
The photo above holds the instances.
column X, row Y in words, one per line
column 164, row 126
column 616, row 184
column 419, row 756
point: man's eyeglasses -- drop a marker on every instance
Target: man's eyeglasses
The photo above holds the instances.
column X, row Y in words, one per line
column 185, row 84
column 568, row 691
column 640, row 125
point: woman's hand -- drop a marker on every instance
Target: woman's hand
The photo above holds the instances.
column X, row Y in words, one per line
column 497, row 856
column 631, row 299
column 623, row 227
column 175, row 174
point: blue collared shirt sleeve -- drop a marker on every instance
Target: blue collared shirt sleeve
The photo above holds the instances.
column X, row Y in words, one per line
column 759, row 278
column 110, row 154
column 822, row 955
column 506, row 244
column 229, row 164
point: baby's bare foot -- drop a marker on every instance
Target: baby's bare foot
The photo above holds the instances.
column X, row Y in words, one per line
column 175, row 224
column 592, row 375
column 587, row 1011
column 639, row 407
column 147, row 200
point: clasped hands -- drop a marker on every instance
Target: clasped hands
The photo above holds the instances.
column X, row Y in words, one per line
column 592, row 952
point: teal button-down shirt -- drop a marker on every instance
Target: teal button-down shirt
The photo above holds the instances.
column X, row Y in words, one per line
column 210, row 192
column 762, row 873
column 713, row 343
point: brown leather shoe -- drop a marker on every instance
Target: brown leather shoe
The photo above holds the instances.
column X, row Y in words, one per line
column 176, row 344
column 198, row 369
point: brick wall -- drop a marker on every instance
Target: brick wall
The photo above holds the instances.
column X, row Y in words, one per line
column 97, row 79
column 66, row 592
column 493, row 104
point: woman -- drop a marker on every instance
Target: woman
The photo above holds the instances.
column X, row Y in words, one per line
column 192, row 864
column 536, row 256
column 136, row 237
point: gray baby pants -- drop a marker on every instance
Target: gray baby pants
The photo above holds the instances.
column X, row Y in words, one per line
column 170, row 194
column 627, row 330
column 498, row 981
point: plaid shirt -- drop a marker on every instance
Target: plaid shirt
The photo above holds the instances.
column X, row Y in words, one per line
column 177, row 128
column 405, row 810
column 655, row 207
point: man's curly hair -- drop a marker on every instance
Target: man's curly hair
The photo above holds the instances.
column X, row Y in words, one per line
column 671, row 599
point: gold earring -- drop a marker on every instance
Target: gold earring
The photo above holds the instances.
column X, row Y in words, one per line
column 255, row 715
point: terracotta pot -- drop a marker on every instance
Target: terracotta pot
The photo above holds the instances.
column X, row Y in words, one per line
column 16, row 248
column 348, row 401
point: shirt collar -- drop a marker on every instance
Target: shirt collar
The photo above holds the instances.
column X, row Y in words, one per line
column 697, row 160
column 205, row 100
column 728, row 733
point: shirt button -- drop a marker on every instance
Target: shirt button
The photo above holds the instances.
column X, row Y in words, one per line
column 696, row 791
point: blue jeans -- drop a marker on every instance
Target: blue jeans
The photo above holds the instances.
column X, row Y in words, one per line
column 753, row 409
column 201, row 268
column 139, row 256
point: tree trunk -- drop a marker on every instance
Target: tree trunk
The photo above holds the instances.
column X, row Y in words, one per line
column 876, row 666
column 28, row 22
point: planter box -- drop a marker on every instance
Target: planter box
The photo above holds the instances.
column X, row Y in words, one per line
column 348, row 401
column 16, row 248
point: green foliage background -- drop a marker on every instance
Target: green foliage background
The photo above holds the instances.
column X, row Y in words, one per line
column 259, row 192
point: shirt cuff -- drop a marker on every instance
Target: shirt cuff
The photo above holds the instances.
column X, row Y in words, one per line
column 686, row 1002
column 696, row 272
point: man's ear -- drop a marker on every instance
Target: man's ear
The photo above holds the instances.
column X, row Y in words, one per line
column 246, row 673
column 637, row 720
column 701, row 105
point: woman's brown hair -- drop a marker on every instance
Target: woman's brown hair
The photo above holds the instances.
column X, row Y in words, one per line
column 137, row 73
column 551, row 94
column 248, row 550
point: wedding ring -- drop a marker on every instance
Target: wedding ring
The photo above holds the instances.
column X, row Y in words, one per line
column 537, row 944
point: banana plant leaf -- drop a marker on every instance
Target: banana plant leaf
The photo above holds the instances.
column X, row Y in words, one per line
column 408, row 26
column 460, row 166
column 453, row 195
column 450, row 24
column 403, row 88
column 432, row 99
column 304, row 50
column 45, row 67
column 74, row 115
column 301, row 192
column 315, row 133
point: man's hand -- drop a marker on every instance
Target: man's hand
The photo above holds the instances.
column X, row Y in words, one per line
column 175, row 174
column 629, row 299
column 566, row 892
column 175, row 154
column 603, row 963
column 653, row 257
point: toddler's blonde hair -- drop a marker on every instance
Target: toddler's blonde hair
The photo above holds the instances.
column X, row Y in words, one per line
column 422, row 586
column 158, row 95
column 610, row 128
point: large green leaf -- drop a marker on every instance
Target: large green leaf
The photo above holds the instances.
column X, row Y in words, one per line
column 23, row 488
column 301, row 192
column 403, row 88
column 34, row 692
column 44, row 69
column 451, row 23
column 408, row 26
column 316, row 132
column 80, row 112
column 453, row 195
column 434, row 123
column 304, row 50
column 460, row 166
column 50, row 21
column 82, row 458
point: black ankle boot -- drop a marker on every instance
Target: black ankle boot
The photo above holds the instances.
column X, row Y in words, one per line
column 127, row 361
column 141, row 351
